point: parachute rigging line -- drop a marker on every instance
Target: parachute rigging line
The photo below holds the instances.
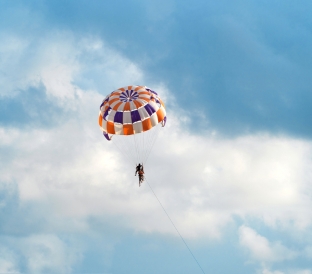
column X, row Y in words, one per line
column 125, row 154
column 175, row 227
column 136, row 148
column 148, row 152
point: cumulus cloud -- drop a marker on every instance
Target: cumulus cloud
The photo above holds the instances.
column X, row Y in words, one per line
column 65, row 174
column 8, row 261
column 266, row 271
column 269, row 253
column 290, row 271
column 308, row 251
column 46, row 252
column 61, row 177
column 257, row 175
column 261, row 249
column 203, row 180
column 41, row 253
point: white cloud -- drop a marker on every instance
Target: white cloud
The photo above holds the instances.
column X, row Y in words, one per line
column 288, row 271
column 266, row 253
column 308, row 251
column 12, row 52
column 266, row 271
column 72, row 172
column 47, row 252
column 59, row 61
column 261, row 249
column 41, row 253
column 7, row 261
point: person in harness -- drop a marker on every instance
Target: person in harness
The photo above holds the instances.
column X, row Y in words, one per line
column 137, row 169
column 141, row 176
column 140, row 171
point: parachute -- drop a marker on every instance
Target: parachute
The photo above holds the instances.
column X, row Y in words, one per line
column 131, row 117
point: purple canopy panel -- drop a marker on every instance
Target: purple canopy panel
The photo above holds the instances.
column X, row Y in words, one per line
column 151, row 91
column 106, row 136
column 164, row 121
column 118, row 117
column 106, row 113
column 135, row 116
column 149, row 109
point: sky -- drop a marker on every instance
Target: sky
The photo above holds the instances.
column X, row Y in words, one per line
column 232, row 168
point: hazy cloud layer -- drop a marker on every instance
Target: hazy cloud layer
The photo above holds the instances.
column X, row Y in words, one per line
column 60, row 180
column 245, row 64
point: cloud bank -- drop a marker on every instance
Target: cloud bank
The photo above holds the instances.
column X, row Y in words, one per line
column 58, row 172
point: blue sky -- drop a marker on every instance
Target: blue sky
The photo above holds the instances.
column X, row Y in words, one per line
column 232, row 167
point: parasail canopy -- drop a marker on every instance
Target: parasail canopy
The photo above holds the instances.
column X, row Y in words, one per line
column 129, row 111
